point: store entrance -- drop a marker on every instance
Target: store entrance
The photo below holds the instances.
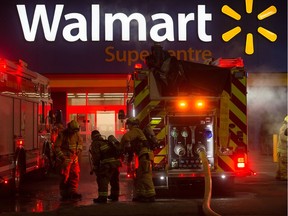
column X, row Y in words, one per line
column 105, row 121
column 96, row 111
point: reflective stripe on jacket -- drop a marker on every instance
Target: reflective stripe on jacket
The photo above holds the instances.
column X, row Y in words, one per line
column 102, row 153
column 68, row 145
column 137, row 138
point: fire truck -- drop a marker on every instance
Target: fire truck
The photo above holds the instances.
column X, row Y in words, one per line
column 190, row 106
column 26, row 120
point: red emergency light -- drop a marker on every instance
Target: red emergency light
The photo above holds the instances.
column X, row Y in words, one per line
column 19, row 142
column 240, row 162
column 3, row 64
column 138, row 66
column 229, row 62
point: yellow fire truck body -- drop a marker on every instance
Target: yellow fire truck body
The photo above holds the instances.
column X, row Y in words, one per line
column 198, row 106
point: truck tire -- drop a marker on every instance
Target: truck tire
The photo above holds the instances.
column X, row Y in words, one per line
column 19, row 170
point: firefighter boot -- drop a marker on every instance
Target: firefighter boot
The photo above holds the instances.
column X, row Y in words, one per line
column 75, row 196
column 100, row 199
column 113, row 198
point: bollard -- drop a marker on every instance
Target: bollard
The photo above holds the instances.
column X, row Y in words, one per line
column 275, row 147
column 208, row 183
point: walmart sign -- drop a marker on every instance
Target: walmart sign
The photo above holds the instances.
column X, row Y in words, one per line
column 79, row 23
column 104, row 37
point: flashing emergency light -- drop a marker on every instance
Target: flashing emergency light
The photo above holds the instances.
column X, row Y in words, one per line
column 20, row 142
column 240, row 162
column 182, row 104
column 208, row 134
column 200, row 104
column 2, row 65
column 138, row 66
column 229, row 62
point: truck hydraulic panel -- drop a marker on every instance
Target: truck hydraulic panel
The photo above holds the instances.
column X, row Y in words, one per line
column 190, row 106
column 25, row 129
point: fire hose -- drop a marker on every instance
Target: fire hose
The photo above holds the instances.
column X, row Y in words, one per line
column 208, row 183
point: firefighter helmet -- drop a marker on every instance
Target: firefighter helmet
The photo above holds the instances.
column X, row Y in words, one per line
column 286, row 119
column 133, row 121
column 73, row 125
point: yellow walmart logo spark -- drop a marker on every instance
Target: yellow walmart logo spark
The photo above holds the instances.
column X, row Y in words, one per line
column 249, row 46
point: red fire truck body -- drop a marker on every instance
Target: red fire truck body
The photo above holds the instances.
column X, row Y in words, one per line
column 25, row 126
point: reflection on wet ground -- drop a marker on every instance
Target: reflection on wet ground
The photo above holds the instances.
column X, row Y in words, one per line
column 35, row 196
column 38, row 195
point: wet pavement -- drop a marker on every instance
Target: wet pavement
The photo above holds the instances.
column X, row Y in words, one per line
column 38, row 194
column 42, row 196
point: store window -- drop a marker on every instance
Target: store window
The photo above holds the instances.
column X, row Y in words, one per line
column 96, row 111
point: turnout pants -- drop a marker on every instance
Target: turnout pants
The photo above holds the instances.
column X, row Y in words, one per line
column 143, row 182
column 70, row 176
column 108, row 174
column 282, row 167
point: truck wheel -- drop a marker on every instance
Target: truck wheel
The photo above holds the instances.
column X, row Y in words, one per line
column 19, row 170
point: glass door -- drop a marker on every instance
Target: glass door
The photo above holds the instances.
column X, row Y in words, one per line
column 86, row 122
column 105, row 122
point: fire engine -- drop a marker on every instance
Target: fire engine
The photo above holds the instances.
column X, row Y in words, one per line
column 26, row 122
column 189, row 106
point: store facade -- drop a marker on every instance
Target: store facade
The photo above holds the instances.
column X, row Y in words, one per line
column 87, row 49
column 93, row 101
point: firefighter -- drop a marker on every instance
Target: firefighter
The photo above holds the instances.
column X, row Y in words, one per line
column 57, row 129
column 136, row 141
column 68, row 147
column 106, row 163
column 282, row 151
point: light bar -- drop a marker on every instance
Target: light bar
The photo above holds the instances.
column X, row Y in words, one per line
column 200, row 104
column 229, row 62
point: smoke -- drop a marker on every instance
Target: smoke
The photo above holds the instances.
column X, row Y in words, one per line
column 267, row 107
column 234, row 49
